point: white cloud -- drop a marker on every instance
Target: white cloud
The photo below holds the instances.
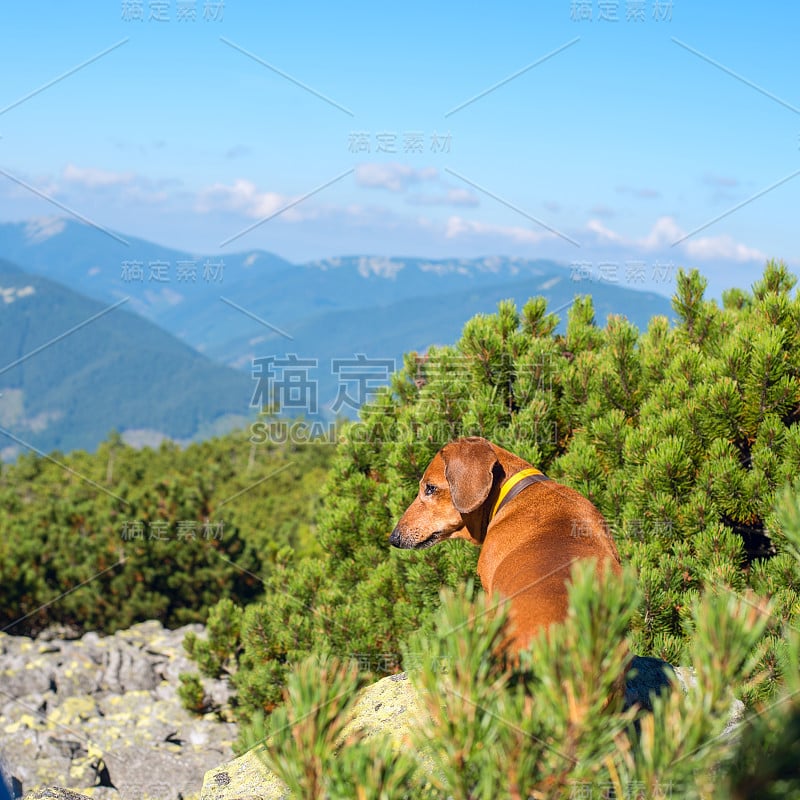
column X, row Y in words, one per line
column 723, row 246
column 242, row 196
column 458, row 228
column 392, row 176
column 462, row 197
column 664, row 233
column 603, row 232
column 93, row 178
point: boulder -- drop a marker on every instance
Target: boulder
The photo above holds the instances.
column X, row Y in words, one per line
column 103, row 712
column 392, row 706
column 244, row 778
column 102, row 715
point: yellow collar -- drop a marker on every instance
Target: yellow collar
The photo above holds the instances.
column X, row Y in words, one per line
column 510, row 484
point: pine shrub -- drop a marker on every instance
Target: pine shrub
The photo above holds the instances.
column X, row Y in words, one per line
column 681, row 434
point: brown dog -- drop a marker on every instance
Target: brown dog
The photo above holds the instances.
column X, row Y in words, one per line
column 530, row 528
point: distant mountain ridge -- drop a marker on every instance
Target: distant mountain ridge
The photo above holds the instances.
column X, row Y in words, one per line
column 174, row 292
column 239, row 307
column 73, row 369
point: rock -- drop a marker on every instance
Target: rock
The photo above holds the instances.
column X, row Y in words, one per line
column 392, row 706
column 647, row 677
column 54, row 793
column 103, row 712
column 389, row 705
column 650, row 676
column 688, row 680
column 244, row 778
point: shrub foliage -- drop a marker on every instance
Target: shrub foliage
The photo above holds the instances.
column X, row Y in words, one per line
column 680, row 434
column 100, row 541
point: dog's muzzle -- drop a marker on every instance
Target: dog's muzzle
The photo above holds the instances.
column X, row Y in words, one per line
column 396, row 539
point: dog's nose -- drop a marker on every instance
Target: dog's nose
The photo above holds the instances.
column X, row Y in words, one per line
column 395, row 538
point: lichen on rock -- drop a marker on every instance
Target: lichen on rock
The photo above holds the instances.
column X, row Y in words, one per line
column 101, row 715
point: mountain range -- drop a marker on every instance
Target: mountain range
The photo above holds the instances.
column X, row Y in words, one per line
column 73, row 369
column 171, row 343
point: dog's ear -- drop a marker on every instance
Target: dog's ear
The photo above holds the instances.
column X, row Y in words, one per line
column 468, row 467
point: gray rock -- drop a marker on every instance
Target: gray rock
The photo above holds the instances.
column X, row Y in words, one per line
column 388, row 706
column 652, row 676
column 244, row 778
column 102, row 714
column 54, row 793
column 688, row 680
column 392, row 706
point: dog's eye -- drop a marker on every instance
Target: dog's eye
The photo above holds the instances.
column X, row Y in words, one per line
column 429, row 489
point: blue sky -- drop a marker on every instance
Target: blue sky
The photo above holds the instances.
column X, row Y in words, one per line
column 586, row 140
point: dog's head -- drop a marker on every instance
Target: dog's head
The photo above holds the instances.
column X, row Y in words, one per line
column 455, row 485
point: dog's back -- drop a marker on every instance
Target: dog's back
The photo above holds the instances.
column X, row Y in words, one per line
column 530, row 547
